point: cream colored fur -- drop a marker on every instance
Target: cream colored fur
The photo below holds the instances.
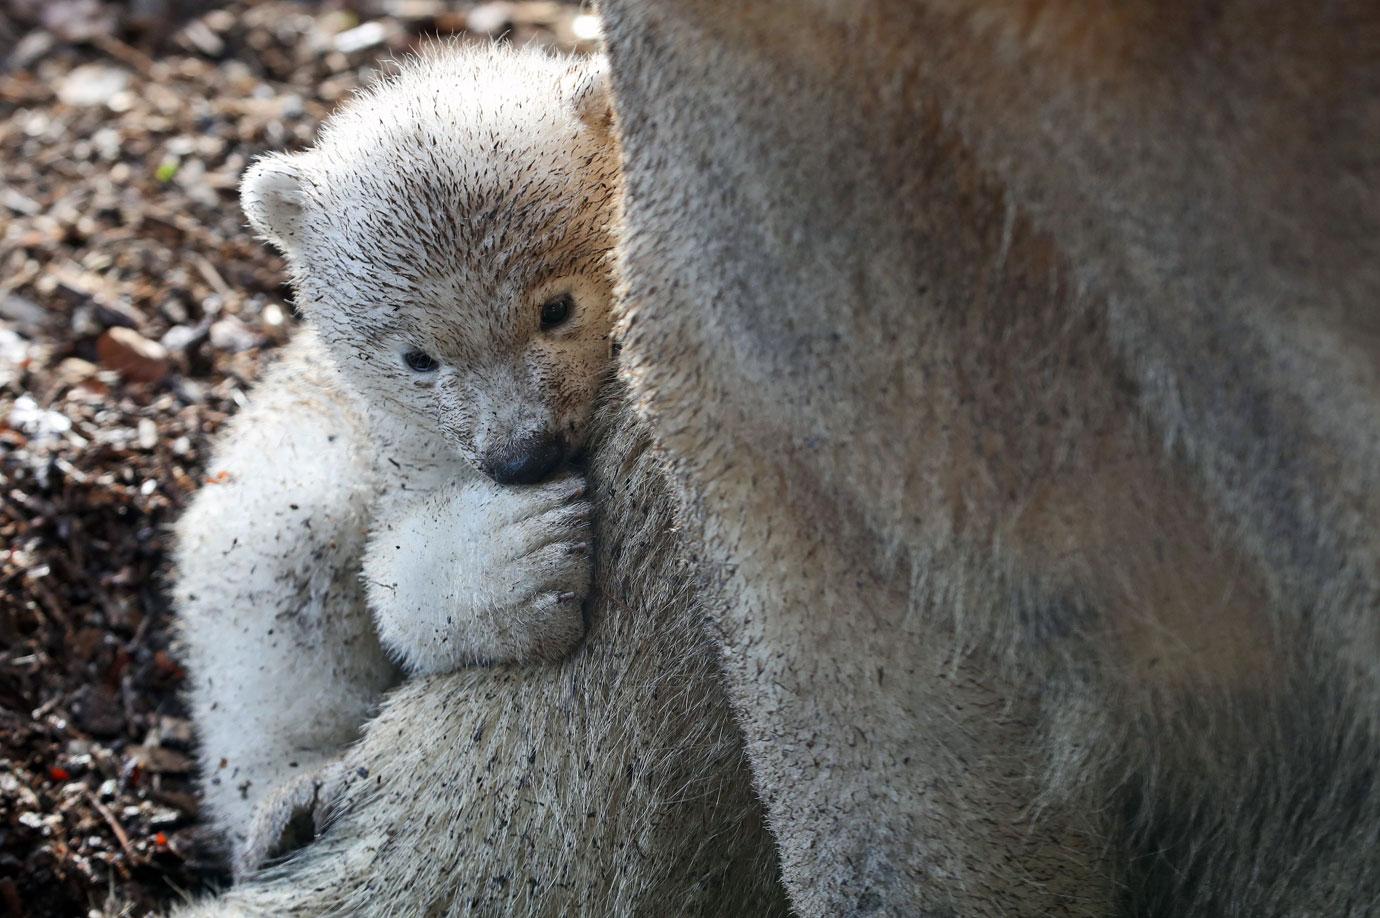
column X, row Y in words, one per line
column 396, row 252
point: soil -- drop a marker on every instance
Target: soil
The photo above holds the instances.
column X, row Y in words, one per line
column 136, row 311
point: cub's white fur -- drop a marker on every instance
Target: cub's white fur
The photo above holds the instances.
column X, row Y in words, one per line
column 429, row 233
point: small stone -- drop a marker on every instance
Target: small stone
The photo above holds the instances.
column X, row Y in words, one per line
column 157, row 760
column 14, row 355
column 162, row 818
column 231, row 334
column 148, row 435
column 92, row 84
column 272, row 315
column 35, row 422
column 132, row 355
column 414, row 10
column 20, row 203
column 74, row 370
column 490, row 18
column 77, row 20
column 29, row 318
column 97, row 711
column 586, row 27
column 30, row 48
column 174, row 309
column 84, row 321
column 200, row 36
column 181, row 338
column 361, row 37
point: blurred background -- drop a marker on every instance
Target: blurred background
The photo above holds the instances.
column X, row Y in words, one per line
column 135, row 313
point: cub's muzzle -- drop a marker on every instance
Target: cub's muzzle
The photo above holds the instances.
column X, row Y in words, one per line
column 525, row 461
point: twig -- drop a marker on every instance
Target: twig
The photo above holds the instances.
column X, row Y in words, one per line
column 127, row 54
column 212, row 276
column 115, row 827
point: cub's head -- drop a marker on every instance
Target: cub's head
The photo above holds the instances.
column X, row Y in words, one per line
column 450, row 237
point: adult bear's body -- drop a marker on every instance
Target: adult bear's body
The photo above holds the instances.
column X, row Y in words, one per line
column 1018, row 363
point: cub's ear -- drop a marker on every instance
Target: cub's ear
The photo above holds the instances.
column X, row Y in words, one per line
column 273, row 196
column 588, row 91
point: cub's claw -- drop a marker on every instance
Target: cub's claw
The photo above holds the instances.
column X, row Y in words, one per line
column 556, row 624
column 290, row 818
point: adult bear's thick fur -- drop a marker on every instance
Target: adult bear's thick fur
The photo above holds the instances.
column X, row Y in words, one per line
column 1018, row 364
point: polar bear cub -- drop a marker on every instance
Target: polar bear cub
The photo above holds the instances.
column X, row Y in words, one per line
column 450, row 241
column 449, row 238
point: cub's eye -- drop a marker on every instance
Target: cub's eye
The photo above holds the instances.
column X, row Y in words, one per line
column 556, row 310
column 420, row 361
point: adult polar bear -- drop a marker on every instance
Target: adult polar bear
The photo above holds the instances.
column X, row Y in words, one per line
column 1018, row 359
column 1016, row 366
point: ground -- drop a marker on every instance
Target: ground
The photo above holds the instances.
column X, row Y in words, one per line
column 135, row 313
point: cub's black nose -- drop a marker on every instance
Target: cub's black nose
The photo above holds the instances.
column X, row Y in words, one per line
column 527, row 461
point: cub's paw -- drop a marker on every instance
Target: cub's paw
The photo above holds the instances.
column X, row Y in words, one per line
column 543, row 573
column 289, row 818
column 482, row 573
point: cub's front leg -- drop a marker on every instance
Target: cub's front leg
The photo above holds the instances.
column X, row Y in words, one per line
column 477, row 572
